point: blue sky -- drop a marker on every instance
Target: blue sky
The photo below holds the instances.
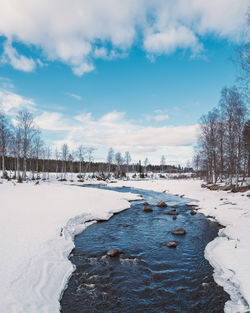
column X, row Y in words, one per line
column 141, row 91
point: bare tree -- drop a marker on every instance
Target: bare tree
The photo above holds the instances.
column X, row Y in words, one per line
column 110, row 158
column 235, row 113
column 146, row 162
column 65, row 155
column 163, row 162
column 89, row 151
column 57, row 157
column 25, row 122
column 81, row 151
column 38, row 147
column 209, row 143
column 127, row 159
column 4, row 139
column 71, row 159
column 119, row 161
column 246, row 140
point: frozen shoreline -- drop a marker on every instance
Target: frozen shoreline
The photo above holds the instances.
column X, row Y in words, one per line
column 229, row 253
column 37, row 228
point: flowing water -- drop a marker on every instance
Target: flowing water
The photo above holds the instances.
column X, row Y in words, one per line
column 148, row 276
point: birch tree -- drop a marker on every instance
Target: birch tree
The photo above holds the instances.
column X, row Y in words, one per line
column 80, row 154
column 127, row 159
column 110, row 158
column 163, row 162
column 25, row 122
column 65, row 154
column 4, row 140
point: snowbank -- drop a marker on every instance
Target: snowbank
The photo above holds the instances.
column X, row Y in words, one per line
column 229, row 253
column 37, row 225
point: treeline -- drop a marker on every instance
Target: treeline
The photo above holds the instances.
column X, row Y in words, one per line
column 24, row 155
column 224, row 142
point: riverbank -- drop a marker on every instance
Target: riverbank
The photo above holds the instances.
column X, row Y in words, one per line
column 37, row 227
column 229, row 253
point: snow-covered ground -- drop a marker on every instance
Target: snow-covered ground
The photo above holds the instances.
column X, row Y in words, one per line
column 37, row 226
column 229, row 253
column 38, row 223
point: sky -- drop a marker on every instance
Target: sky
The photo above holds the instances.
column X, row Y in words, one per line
column 132, row 75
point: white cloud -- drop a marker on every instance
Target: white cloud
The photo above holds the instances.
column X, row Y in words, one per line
column 157, row 117
column 6, row 83
column 11, row 103
column 114, row 130
column 75, row 96
column 76, row 32
column 19, row 62
column 53, row 121
column 168, row 40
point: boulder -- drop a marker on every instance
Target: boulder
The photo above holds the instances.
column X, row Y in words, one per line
column 162, row 204
column 114, row 252
column 145, row 203
column 172, row 212
column 147, row 209
column 193, row 212
column 178, row 231
column 174, row 217
column 172, row 244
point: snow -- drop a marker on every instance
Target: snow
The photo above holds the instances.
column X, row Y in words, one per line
column 229, row 253
column 37, row 226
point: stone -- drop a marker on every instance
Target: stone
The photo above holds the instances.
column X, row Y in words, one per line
column 162, row 204
column 172, row 244
column 114, row 252
column 125, row 225
column 193, row 212
column 145, row 203
column 172, row 212
column 178, row 231
column 147, row 209
column 174, row 217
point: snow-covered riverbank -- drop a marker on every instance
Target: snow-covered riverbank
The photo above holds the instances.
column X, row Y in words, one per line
column 37, row 225
column 229, row 253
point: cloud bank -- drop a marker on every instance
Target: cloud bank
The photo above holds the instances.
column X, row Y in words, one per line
column 79, row 31
column 114, row 130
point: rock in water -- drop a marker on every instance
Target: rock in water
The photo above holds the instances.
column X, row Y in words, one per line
column 125, row 225
column 178, row 231
column 162, row 204
column 145, row 203
column 114, row 252
column 147, row 209
column 193, row 212
column 174, row 217
column 172, row 244
column 172, row 212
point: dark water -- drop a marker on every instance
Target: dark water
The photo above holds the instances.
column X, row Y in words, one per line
column 148, row 277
